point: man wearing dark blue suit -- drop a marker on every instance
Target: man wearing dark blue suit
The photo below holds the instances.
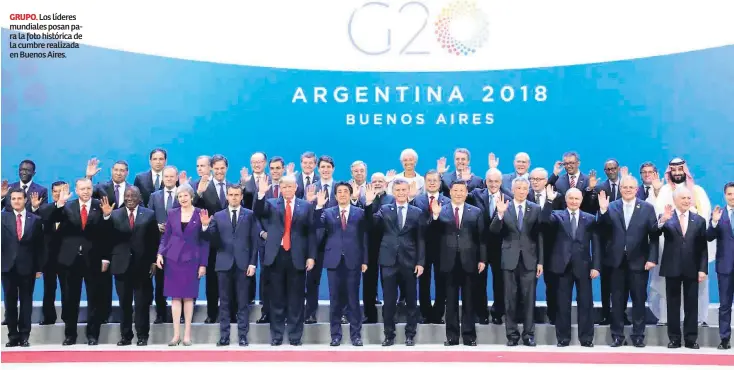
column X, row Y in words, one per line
column 432, row 314
column 152, row 180
column 22, row 259
column 307, row 176
column 684, row 263
column 721, row 229
column 26, row 171
column 574, row 178
column 345, row 259
column 462, row 158
column 648, row 174
column 630, row 251
column 325, row 183
column 401, row 257
column 290, row 250
column 160, row 202
column 235, row 236
column 572, row 232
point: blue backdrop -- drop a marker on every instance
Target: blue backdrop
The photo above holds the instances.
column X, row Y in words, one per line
column 117, row 105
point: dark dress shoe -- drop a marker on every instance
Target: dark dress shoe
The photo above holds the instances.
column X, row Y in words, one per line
column 233, row 320
column 512, row 342
column 210, row 320
column 124, row 342
column 410, row 342
column 638, row 342
column 344, row 320
column 603, row 322
column 497, row 320
column 13, row 343
column 451, row 342
column 296, row 343
column 252, row 302
column 4, row 322
column 276, row 342
column 368, row 320
column 223, row 342
column 243, row 342
column 483, row 321
column 563, row 343
column 47, row 322
column 530, row 342
column 704, row 324
column 264, row 319
column 378, row 302
column 724, row 344
column 627, row 321
column 310, row 320
column 182, row 320
column 674, row 344
column 388, row 342
column 587, row 343
column 439, row 322
column 69, row 341
column 357, row 343
column 24, row 343
column 92, row 341
column 142, row 342
column 470, row 343
column 335, row 342
column 618, row 342
column 158, row 320
column 692, row 345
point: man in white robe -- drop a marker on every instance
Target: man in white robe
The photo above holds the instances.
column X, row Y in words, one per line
column 678, row 174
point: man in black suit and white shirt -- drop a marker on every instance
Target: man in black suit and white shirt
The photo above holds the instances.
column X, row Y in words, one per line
column 307, row 175
column 152, row 180
column 26, row 171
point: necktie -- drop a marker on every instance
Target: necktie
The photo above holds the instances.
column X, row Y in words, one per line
column 117, row 194
column 492, row 205
column 234, row 220
column 614, row 192
column 344, row 219
column 326, row 190
column 157, row 183
column 537, row 198
column 731, row 220
column 275, row 191
column 169, row 201
column 627, row 215
column 647, row 192
column 430, row 203
column 683, row 223
column 287, row 226
column 573, row 224
column 57, row 225
column 456, row 218
column 401, row 220
column 25, row 188
column 131, row 219
column 19, row 226
column 84, row 216
column 308, row 180
column 519, row 217
column 222, row 196
column 573, row 181
column 257, row 182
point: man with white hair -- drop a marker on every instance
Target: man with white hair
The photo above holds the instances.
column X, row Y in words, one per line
column 677, row 176
column 359, row 178
column 683, row 264
column 409, row 158
column 521, row 165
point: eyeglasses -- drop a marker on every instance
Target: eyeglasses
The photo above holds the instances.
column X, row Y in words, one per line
column 537, row 178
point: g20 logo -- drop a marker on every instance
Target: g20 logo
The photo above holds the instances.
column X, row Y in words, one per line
column 460, row 28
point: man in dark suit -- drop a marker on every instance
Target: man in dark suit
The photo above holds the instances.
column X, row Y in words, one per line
column 313, row 277
column 463, row 255
column 211, row 194
column 83, row 256
column 258, row 162
column 518, row 222
column 486, row 199
column 572, row 232
column 152, row 180
column 52, row 240
column 135, row 237
column 26, row 171
column 721, row 229
column 401, row 255
column 160, row 202
column 22, row 259
column 290, row 250
column 462, row 158
column 684, row 263
column 648, row 174
column 235, row 236
column 345, row 259
column 574, row 178
column 307, row 175
column 432, row 313
column 631, row 250
column 521, row 164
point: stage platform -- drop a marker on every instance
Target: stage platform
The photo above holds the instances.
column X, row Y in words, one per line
column 372, row 334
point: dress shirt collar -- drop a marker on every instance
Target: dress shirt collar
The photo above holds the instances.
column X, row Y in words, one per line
column 134, row 210
column 326, row 182
column 679, row 213
column 521, row 204
column 577, row 174
column 87, row 203
column 344, row 209
column 236, row 209
column 435, row 195
column 153, row 174
column 21, row 213
column 401, row 205
column 729, row 209
column 630, row 203
column 172, row 190
column 454, row 205
column 28, row 184
column 576, row 212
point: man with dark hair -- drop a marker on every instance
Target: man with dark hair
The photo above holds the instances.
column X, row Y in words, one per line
column 26, row 171
column 721, row 229
column 649, row 175
column 308, row 175
column 151, row 180
column 51, row 271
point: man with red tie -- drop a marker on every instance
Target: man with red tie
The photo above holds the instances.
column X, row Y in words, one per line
column 22, row 254
column 290, row 250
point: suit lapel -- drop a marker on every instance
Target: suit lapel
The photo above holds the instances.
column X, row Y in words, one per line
column 281, row 206
column 635, row 213
column 513, row 214
column 726, row 222
column 676, row 224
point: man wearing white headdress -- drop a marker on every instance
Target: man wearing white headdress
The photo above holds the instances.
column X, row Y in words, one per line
column 678, row 175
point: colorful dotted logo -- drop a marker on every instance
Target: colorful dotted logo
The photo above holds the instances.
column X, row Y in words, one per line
column 461, row 27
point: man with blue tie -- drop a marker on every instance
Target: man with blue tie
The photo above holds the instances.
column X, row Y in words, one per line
column 401, row 257
column 325, row 183
column 462, row 158
column 721, row 229
column 631, row 251
column 684, row 263
column 572, row 232
column 235, row 236
column 345, row 259
column 290, row 250
column 152, row 180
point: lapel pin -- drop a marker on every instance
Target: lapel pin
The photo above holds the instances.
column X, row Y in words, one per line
column 638, row 206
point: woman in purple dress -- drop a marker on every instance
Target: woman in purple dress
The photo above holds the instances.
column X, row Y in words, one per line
column 185, row 249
